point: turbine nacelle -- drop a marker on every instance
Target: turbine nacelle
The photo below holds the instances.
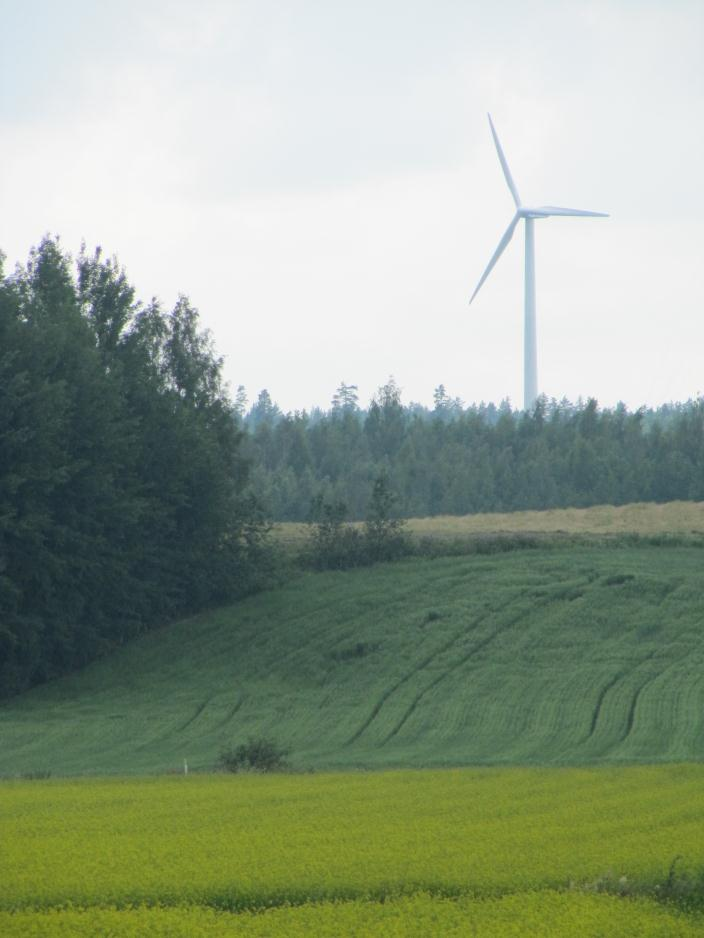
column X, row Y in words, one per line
column 525, row 212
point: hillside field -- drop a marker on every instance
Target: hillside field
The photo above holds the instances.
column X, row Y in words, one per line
column 587, row 654
column 485, row 852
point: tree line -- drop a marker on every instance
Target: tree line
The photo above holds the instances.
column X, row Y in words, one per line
column 452, row 459
column 122, row 473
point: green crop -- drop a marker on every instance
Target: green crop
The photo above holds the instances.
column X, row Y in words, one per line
column 587, row 654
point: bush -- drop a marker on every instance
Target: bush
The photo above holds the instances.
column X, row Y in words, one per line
column 385, row 537
column 256, row 755
column 334, row 544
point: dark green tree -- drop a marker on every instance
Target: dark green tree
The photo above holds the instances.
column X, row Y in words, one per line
column 384, row 535
column 334, row 544
column 122, row 477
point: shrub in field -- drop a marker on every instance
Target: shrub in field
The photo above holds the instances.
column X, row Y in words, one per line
column 336, row 544
column 256, row 755
column 385, row 536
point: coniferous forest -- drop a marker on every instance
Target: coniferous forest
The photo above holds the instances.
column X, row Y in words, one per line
column 459, row 460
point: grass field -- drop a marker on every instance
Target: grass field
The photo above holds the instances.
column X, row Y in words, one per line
column 569, row 852
column 582, row 655
column 646, row 518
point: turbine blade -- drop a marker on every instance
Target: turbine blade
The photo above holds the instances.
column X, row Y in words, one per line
column 556, row 210
column 508, row 234
column 504, row 165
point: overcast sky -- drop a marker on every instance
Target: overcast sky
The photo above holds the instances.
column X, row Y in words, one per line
column 319, row 178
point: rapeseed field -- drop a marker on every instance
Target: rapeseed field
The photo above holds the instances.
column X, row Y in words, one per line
column 547, row 914
column 502, row 851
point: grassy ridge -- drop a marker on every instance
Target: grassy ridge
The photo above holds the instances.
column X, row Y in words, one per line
column 536, row 845
column 582, row 655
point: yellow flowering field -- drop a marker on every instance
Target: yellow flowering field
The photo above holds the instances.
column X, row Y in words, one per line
column 548, row 914
column 514, row 851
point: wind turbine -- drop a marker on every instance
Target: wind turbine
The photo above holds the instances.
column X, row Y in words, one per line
column 528, row 214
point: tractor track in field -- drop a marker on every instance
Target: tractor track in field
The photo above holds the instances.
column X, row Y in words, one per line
column 233, row 711
column 458, row 664
column 420, row 667
column 564, row 593
column 636, row 696
column 630, row 718
column 199, row 709
column 620, row 676
column 464, row 659
column 634, row 703
column 600, row 700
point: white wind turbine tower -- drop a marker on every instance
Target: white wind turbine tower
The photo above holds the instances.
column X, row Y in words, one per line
column 528, row 214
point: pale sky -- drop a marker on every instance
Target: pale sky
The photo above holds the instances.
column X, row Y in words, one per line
column 319, row 178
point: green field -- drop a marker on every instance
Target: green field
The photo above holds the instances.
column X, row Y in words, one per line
column 465, row 851
column 563, row 656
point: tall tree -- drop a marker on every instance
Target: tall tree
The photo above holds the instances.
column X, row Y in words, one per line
column 122, row 479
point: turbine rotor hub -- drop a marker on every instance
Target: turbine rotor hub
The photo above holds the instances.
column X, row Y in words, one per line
column 525, row 212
